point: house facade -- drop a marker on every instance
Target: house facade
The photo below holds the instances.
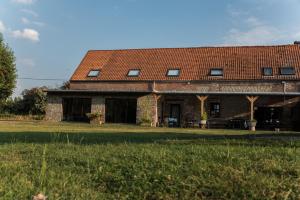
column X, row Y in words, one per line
column 174, row 86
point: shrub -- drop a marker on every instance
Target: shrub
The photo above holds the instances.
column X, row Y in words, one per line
column 94, row 115
column 204, row 116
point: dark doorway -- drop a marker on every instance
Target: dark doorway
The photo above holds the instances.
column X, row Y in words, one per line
column 75, row 109
column 174, row 119
column 268, row 117
column 120, row 111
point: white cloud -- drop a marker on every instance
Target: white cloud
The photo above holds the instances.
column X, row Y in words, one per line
column 256, row 32
column 26, row 33
column 30, row 12
column 2, row 27
column 23, row 1
column 26, row 21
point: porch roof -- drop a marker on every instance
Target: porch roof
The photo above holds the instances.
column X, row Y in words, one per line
column 56, row 91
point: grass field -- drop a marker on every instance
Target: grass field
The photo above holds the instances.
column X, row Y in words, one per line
column 79, row 161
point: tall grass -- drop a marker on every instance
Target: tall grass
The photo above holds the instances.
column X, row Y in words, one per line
column 129, row 162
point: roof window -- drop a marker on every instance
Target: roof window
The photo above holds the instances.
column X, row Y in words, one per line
column 133, row 72
column 173, row 72
column 93, row 73
column 267, row 71
column 216, row 72
column 287, row 71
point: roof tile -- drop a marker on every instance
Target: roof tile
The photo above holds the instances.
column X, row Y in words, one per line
column 238, row 63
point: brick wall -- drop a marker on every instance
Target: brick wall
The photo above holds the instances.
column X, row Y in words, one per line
column 217, row 86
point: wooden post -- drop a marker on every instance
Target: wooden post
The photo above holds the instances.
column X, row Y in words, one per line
column 252, row 124
column 252, row 99
column 202, row 100
column 156, row 97
column 202, row 108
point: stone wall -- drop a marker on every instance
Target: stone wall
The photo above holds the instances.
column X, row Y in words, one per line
column 98, row 105
column 54, row 110
column 146, row 109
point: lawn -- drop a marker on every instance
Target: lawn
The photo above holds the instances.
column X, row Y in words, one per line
column 80, row 161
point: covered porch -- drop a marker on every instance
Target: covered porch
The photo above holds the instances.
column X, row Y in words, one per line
column 229, row 111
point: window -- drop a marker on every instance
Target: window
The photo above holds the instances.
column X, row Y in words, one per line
column 215, row 109
column 93, row 73
column 216, row 72
column 173, row 72
column 287, row 70
column 133, row 72
column 267, row 71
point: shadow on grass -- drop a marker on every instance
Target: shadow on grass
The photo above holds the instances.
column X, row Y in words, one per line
column 278, row 139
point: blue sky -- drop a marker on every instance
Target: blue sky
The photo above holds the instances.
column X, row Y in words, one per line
column 50, row 37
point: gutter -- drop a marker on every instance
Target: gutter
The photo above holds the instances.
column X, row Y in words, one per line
column 177, row 92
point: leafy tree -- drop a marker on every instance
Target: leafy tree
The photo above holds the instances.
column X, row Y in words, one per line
column 8, row 70
column 34, row 101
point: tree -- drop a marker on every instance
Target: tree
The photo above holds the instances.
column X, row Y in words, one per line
column 34, row 101
column 8, row 72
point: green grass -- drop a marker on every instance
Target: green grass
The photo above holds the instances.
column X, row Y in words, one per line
column 79, row 161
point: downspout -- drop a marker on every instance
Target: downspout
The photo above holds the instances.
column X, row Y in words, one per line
column 153, row 87
column 284, row 91
column 156, row 102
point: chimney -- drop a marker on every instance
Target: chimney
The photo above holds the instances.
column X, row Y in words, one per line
column 297, row 42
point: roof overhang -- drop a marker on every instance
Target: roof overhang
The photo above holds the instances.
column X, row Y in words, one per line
column 171, row 92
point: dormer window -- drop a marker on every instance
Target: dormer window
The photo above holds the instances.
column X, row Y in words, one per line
column 216, row 72
column 173, row 72
column 267, row 71
column 93, row 73
column 287, row 71
column 133, row 72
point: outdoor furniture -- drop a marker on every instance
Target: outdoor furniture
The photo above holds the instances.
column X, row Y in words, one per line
column 238, row 123
column 172, row 122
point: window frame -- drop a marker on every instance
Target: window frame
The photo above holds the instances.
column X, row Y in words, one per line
column 218, row 75
column 137, row 75
column 267, row 68
column 175, row 69
column 93, row 70
column 287, row 74
column 217, row 114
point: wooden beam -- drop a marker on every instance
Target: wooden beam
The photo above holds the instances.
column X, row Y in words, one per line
column 202, row 100
column 252, row 99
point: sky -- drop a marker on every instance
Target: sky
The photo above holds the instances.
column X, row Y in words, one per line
column 50, row 37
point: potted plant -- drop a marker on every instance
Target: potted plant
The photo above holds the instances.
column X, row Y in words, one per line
column 252, row 124
column 95, row 118
column 203, row 120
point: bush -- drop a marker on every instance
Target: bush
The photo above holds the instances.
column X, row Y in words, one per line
column 145, row 121
column 94, row 115
column 204, row 116
column 32, row 102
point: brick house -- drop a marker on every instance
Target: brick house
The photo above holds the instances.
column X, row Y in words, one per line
column 159, row 85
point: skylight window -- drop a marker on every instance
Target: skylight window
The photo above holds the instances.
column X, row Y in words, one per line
column 94, row 73
column 133, row 72
column 173, row 72
column 287, row 71
column 267, row 71
column 216, row 72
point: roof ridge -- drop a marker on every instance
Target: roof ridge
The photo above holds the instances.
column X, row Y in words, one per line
column 199, row 47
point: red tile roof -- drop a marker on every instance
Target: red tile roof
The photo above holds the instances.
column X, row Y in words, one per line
column 238, row 63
